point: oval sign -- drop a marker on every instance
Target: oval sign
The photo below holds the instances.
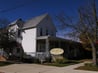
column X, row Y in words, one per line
column 56, row 51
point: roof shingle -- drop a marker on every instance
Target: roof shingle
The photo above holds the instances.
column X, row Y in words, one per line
column 34, row 21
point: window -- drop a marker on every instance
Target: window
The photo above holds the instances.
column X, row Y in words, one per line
column 19, row 32
column 47, row 32
column 40, row 31
column 41, row 48
column 52, row 34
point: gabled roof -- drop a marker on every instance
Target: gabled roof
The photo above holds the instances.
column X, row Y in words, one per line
column 19, row 22
column 14, row 22
column 34, row 21
column 30, row 23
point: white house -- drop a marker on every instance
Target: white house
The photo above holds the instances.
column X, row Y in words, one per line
column 37, row 36
column 34, row 30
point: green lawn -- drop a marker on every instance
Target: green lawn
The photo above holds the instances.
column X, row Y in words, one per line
column 2, row 63
column 62, row 64
column 56, row 64
column 88, row 67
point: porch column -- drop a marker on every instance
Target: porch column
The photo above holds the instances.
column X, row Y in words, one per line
column 59, row 44
column 47, row 47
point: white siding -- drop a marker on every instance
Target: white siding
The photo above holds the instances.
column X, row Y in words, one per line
column 13, row 28
column 29, row 40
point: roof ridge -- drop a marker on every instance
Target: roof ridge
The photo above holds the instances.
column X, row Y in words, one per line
column 37, row 16
column 34, row 21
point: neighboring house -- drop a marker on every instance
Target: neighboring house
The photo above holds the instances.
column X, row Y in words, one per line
column 15, row 30
column 37, row 37
column 15, row 37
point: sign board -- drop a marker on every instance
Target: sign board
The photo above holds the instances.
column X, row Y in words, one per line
column 56, row 51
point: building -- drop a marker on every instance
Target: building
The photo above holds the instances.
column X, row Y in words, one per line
column 37, row 37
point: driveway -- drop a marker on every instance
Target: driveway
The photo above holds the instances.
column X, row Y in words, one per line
column 35, row 68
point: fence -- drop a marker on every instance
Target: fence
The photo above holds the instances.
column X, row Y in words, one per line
column 39, row 55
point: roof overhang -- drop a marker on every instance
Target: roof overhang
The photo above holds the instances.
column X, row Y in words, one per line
column 53, row 38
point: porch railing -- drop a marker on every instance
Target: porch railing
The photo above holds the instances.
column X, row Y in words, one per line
column 39, row 55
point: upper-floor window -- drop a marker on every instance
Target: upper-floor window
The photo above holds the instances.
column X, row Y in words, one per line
column 52, row 34
column 41, row 32
column 47, row 32
column 19, row 32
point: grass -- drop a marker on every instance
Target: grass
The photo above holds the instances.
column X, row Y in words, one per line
column 89, row 67
column 62, row 64
column 3, row 63
column 57, row 64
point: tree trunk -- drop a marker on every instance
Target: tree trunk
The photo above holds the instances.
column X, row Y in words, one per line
column 94, row 52
column 94, row 55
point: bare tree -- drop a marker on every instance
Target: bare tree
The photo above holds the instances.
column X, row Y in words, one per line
column 5, row 42
column 83, row 29
column 3, row 32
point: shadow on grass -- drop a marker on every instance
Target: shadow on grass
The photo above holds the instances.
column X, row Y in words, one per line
column 72, row 62
column 5, row 63
column 88, row 66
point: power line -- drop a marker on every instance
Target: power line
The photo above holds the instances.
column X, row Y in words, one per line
column 16, row 7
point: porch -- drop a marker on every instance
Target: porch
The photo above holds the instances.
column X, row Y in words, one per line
column 46, row 43
column 72, row 49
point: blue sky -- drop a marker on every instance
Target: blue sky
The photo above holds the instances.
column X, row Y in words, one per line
column 29, row 8
column 26, row 9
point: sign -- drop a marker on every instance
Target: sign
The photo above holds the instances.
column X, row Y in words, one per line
column 56, row 51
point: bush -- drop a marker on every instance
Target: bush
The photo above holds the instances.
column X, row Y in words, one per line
column 48, row 59
column 61, row 61
column 36, row 60
column 5, row 63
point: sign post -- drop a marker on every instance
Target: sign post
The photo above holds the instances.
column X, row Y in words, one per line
column 56, row 54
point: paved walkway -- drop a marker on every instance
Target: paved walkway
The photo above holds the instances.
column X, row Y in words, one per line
column 34, row 68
